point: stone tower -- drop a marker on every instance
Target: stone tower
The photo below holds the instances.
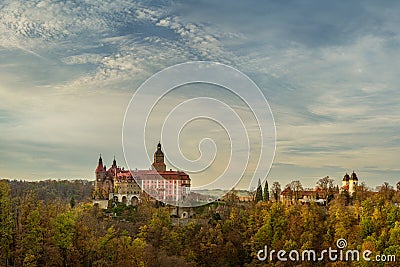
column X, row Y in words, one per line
column 103, row 184
column 158, row 163
column 100, row 172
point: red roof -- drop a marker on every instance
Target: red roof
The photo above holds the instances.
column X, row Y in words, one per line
column 124, row 174
column 168, row 175
column 146, row 174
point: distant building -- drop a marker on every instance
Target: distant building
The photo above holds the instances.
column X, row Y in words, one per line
column 304, row 196
column 238, row 195
column 349, row 183
column 127, row 186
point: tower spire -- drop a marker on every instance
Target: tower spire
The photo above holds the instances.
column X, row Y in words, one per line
column 114, row 163
column 100, row 166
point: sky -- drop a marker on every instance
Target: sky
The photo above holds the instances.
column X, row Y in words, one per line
column 329, row 70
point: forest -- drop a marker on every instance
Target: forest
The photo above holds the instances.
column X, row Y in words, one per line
column 53, row 223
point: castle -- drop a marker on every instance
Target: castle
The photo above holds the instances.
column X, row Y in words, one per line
column 349, row 183
column 127, row 186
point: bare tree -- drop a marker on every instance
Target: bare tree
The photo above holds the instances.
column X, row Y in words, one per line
column 297, row 188
column 361, row 192
column 276, row 190
column 326, row 185
column 289, row 191
column 386, row 190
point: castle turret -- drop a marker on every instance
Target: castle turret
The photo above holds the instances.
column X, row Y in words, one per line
column 353, row 183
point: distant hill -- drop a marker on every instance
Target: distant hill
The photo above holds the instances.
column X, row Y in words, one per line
column 47, row 190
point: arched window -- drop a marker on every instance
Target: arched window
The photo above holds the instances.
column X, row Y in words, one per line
column 134, row 201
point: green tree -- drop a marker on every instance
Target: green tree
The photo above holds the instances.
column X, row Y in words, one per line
column 266, row 191
column 259, row 194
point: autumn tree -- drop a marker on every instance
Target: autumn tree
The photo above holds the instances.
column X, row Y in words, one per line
column 272, row 229
column 32, row 238
column 64, row 233
column 386, row 190
column 158, row 228
column 361, row 192
column 6, row 223
column 345, row 198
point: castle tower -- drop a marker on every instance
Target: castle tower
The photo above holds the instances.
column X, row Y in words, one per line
column 353, row 183
column 104, row 181
column 158, row 163
column 345, row 180
column 100, row 175
column 100, row 171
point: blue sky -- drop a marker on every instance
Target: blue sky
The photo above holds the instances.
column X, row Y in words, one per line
column 329, row 70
